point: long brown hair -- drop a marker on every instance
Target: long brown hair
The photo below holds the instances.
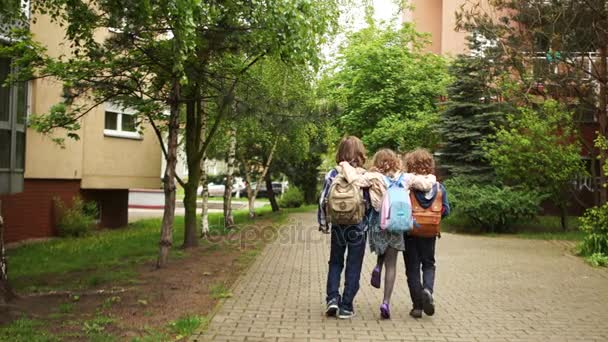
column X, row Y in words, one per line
column 351, row 150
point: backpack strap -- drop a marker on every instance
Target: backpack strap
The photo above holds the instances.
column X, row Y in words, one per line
column 389, row 182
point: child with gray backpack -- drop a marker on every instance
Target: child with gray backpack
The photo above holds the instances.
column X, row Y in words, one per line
column 342, row 212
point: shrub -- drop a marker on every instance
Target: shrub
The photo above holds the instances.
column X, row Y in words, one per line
column 292, row 198
column 77, row 220
column 594, row 224
column 493, row 208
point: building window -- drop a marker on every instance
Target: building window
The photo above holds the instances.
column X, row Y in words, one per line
column 121, row 123
column 13, row 117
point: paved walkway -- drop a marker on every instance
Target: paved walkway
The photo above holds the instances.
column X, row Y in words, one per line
column 488, row 289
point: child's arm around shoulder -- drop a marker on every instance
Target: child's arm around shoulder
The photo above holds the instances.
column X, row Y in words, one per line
column 357, row 176
column 421, row 182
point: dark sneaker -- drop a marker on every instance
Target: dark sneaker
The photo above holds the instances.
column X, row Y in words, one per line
column 332, row 308
column 376, row 273
column 385, row 311
column 346, row 314
column 416, row 313
column 428, row 304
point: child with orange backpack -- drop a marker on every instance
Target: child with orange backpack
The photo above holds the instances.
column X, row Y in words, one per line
column 428, row 208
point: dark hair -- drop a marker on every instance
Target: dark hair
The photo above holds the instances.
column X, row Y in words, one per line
column 420, row 161
column 351, row 150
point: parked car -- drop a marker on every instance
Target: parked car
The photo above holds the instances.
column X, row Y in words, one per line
column 277, row 187
column 217, row 190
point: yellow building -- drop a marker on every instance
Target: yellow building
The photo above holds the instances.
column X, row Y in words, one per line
column 110, row 157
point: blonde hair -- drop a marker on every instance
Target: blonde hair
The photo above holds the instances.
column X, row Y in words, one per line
column 386, row 161
column 420, row 161
column 351, row 150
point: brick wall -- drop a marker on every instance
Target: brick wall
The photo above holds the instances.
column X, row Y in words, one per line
column 30, row 214
column 113, row 205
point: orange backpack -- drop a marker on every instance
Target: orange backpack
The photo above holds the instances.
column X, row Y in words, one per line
column 427, row 221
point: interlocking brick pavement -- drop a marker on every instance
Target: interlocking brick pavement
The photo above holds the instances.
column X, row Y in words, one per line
column 487, row 289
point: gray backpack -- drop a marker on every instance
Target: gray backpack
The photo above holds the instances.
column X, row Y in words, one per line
column 345, row 202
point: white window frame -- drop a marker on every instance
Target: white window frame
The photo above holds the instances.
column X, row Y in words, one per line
column 118, row 132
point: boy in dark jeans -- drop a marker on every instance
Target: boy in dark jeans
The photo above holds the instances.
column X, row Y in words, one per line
column 420, row 251
column 350, row 238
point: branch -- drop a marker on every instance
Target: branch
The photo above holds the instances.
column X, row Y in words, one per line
column 267, row 166
column 160, row 137
column 223, row 109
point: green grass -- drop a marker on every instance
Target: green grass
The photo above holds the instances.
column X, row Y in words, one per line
column 187, row 325
column 66, row 308
column 26, row 330
column 107, row 256
column 152, row 335
column 219, row 291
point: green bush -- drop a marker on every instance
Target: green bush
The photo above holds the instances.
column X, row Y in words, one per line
column 492, row 208
column 292, row 198
column 595, row 226
column 77, row 220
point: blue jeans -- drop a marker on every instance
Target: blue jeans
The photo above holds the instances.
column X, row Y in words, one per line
column 419, row 252
column 343, row 239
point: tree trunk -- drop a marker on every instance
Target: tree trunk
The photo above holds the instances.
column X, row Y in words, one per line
column 194, row 125
column 205, row 199
column 204, row 181
column 190, row 206
column 228, row 217
column 166, row 233
column 253, row 193
column 563, row 211
column 6, row 292
column 270, row 193
column 603, row 119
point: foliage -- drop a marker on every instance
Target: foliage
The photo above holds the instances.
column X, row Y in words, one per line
column 25, row 329
column 279, row 123
column 494, row 208
column 594, row 224
column 537, row 149
column 292, row 198
column 97, row 325
column 220, row 291
column 77, row 220
column 385, row 89
column 187, row 325
column 468, row 117
column 598, row 259
column 561, row 54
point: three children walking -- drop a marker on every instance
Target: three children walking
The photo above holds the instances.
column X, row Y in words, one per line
column 356, row 204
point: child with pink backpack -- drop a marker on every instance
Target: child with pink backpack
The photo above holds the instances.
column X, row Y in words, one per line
column 391, row 215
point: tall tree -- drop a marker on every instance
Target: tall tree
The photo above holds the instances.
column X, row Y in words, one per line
column 278, row 100
column 159, row 55
column 387, row 88
column 554, row 49
column 138, row 64
column 472, row 109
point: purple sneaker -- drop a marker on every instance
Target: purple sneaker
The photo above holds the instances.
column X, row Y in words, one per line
column 375, row 282
column 385, row 311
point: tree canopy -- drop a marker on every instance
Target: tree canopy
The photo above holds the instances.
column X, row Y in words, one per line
column 386, row 89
